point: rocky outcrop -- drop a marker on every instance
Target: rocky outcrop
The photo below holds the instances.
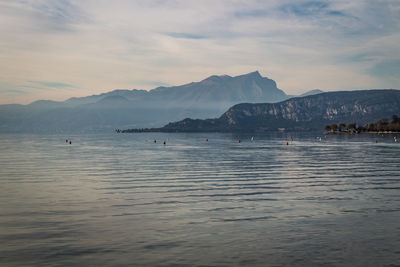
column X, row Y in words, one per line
column 300, row 113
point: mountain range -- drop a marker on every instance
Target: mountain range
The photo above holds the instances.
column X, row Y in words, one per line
column 311, row 112
column 140, row 108
column 247, row 102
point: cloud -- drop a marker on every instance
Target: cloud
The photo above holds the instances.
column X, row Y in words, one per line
column 44, row 15
column 14, row 92
column 51, row 84
column 387, row 68
column 88, row 47
column 252, row 13
column 311, row 8
column 185, row 35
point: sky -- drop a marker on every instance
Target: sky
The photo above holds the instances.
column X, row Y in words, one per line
column 57, row 49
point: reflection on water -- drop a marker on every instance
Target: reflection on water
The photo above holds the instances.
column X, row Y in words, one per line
column 121, row 199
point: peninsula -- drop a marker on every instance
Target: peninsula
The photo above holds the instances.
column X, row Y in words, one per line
column 309, row 113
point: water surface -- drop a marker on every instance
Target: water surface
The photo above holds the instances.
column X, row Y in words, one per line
column 121, row 199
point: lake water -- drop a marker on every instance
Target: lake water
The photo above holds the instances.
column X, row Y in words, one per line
column 121, row 199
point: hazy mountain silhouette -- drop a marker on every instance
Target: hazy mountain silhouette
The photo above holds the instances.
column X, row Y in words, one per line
column 312, row 92
column 140, row 108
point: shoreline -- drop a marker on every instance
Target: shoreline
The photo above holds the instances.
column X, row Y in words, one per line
column 366, row 132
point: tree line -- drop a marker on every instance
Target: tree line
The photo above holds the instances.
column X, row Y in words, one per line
column 383, row 125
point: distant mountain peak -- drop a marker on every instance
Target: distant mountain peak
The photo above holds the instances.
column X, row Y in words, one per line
column 253, row 74
column 140, row 108
column 312, row 92
column 216, row 78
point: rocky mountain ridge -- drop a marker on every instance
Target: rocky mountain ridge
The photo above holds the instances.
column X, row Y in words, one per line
column 300, row 113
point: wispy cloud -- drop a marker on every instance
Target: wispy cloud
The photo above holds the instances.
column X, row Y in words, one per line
column 312, row 8
column 252, row 13
column 185, row 35
column 98, row 45
column 45, row 15
column 387, row 68
column 14, row 92
column 50, row 84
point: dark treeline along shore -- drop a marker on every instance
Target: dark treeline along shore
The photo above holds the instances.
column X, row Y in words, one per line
column 381, row 126
column 309, row 113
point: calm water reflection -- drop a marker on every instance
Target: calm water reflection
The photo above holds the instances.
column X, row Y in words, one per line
column 121, row 199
